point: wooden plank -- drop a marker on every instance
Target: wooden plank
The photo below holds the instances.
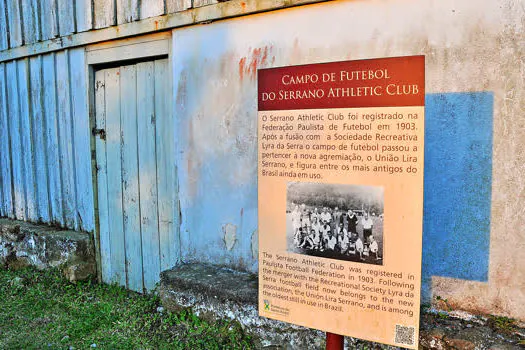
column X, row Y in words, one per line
column 127, row 11
column 81, row 137
column 133, row 51
column 114, row 178
column 39, row 149
column 129, row 41
column 49, row 19
column 36, row 7
column 102, row 180
column 52, row 147
column 3, row 144
column 200, row 3
column 84, row 18
column 14, row 23
column 104, row 13
column 66, row 141
column 177, row 5
column 5, row 178
column 26, row 132
column 31, row 21
column 166, row 169
column 148, row 173
column 5, row 162
column 66, row 17
column 130, row 176
column 25, row 139
column 151, row 8
column 4, row 44
column 16, row 142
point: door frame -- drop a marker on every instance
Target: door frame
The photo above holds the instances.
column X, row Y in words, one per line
column 111, row 54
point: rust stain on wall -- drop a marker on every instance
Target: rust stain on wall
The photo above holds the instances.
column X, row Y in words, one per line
column 257, row 59
column 242, row 63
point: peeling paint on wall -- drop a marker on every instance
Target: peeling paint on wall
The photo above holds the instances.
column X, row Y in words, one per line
column 230, row 235
column 255, row 244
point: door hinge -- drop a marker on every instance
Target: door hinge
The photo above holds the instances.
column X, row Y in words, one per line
column 99, row 132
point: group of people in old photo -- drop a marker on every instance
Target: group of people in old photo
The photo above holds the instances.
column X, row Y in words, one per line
column 338, row 232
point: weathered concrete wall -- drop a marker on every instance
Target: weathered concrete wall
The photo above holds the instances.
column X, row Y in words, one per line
column 474, row 194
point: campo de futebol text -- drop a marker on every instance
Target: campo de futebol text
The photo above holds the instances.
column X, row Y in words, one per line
column 367, row 83
column 377, row 75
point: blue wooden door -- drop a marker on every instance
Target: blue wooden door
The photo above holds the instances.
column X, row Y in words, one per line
column 136, row 184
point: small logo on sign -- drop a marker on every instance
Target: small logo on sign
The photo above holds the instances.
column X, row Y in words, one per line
column 267, row 305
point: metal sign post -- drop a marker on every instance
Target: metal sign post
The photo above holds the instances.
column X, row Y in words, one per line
column 334, row 341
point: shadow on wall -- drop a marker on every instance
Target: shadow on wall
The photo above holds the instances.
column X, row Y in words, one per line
column 458, row 183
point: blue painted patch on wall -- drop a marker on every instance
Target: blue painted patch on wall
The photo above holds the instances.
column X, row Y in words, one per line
column 458, row 184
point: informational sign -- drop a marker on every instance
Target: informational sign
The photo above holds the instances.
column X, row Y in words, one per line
column 341, row 149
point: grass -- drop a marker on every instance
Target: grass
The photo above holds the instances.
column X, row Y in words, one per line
column 502, row 323
column 40, row 310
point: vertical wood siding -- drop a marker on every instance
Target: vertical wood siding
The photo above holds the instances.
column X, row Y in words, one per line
column 127, row 11
column 83, row 15
column 38, row 126
column 51, row 138
column 13, row 129
column 27, row 147
column 45, row 158
column 49, row 15
column 81, row 135
column 31, row 23
column 152, row 8
column 65, row 140
column 66, row 17
column 14, row 22
column 6, row 183
column 3, row 27
column 25, row 22
column 104, row 14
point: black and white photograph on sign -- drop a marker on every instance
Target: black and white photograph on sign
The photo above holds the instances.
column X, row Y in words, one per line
column 343, row 222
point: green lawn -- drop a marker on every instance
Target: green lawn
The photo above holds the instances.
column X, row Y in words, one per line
column 40, row 310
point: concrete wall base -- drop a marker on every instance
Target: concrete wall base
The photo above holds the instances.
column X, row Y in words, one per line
column 219, row 293
column 213, row 293
column 23, row 244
